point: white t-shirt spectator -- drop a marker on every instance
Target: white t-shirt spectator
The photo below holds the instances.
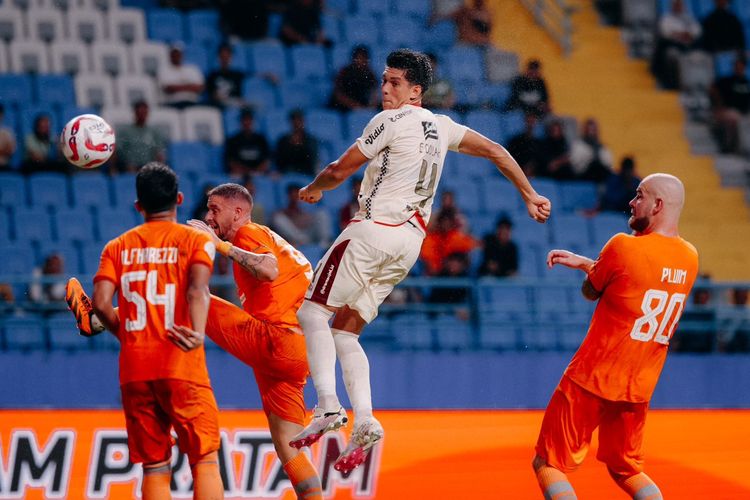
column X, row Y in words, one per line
column 184, row 74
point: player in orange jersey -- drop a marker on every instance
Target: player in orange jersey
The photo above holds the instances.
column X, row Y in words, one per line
column 641, row 282
column 160, row 272
column 272, row 278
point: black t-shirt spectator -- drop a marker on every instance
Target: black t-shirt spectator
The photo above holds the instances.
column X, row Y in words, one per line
column 249, row 150
column 529, row 95
column 356, row 83
column 735, row 92
column 224, row 83
column 302, row 19
column 297, row 155
column 499, row 259
column 722, row 31
column 526, row 150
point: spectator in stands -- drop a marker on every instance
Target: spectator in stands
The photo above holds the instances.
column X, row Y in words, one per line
column 554, row 157
column 730, row 101
column 446, row 238
column 301, row 226
column 697, row 324
column 258, row 213
column 500, row 251
column 734, row 323
column 678, row 32
column 440, row 95
column 474, row 23
column 346, row 214
column 48, row 291
column 456, row 265
column 182, row 84
column 7, row 141
column 591, row 160
column 722, row 30
column 139, row 143
column 620, row 188
column 529, row 91
column 42, row 152
column 526, row 148
column 297, row 151
column 245, row 19
column 302, row 23
column 448, row 204
column 247, row 152
column 224, row 85
column 355, row 84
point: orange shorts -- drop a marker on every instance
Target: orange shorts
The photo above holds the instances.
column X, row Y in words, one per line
column 276, row 354
column 571, row 417
column 152, row 408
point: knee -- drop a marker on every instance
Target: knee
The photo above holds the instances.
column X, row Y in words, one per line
column 311, row 313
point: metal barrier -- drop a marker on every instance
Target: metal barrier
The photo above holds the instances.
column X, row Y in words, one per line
column 554, row 17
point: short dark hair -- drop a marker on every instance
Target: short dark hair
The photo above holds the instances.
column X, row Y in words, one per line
column 232, row 191
column 156, row 186
column 360, row 50
column 416, row 66
column 247, row 113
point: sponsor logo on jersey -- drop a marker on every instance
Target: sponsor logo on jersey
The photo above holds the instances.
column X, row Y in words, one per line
column 430, row 130
column 400, row 115
column 375, row 133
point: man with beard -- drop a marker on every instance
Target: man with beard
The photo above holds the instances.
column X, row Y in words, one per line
column 641, row 282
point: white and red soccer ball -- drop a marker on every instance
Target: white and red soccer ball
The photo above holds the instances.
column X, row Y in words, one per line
column 87, row 141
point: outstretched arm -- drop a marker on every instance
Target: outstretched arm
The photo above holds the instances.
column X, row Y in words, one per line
column 575, row 261
column 475, row 144
column 263, row 266
column 333, row 175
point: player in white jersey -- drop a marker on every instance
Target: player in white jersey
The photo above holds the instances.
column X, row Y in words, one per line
column 405, row 146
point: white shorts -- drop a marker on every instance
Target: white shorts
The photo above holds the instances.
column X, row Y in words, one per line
column 364, row 264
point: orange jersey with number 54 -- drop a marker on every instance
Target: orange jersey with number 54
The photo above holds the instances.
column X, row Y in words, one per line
column 274, row 301
column 644, row 282
column 150, row 266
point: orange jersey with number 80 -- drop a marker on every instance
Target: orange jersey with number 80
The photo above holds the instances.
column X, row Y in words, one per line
column 150, row 266
column 274, row 301
column 644, row 282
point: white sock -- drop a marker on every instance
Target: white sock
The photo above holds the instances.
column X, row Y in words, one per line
column 321, row 352
column 356, row 371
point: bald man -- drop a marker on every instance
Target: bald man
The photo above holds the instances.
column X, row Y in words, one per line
column 641, row 282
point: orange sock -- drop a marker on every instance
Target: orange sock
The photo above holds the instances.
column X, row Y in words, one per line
column 207, row 483
column 554, row 484
column 304, row 478
column 156, row 481
column 639, row 487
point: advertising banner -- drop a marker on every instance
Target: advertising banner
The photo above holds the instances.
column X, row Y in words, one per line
column 82, row 454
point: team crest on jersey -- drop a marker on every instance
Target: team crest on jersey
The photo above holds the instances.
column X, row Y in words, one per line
column 430, row 130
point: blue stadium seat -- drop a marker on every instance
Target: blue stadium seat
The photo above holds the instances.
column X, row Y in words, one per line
column 54, row 89
column 340, row 56
column 540, row 336
column 203, row 27
column 494, row 94
column 231, row 120
column 451, row 332
column 419, row 9
column 24, row 333
column 362, row 29
column 197, row 54
column 112, row 222
column 90, row 190
column 325, row 124
column 300, row 94
column 467, row 193
column 528, row 231
column 552, row 303
column 402, row 32
column 68, row 252
column 356, row 121
column 105, row 341
column 90, row 255
column 379, row 334
column 73, row 224
column 605, row 225
column 531, row 261
column 165, row 25
column 16, row 259
column 277, row 124
column 570, row 231
column 267, row 58
column 512, row 123
column 441, row 36
column 571, row 335
column 724, row 63
column 377, row 9
column 338, row 8
column 48, row 189
column 15, row 89
column 259, row 93
column 124, row 190
column 485, row 122
column 701, row 8
column 309, row 62
column 63, row 333
column 265, row 194
column 412, row 331
column 331, row 27
column 465, row 63
column 286, row 180
column 12, row 189
column 578, row 195
column 4, row 226
column 513, row 301
column 500, row 196
column 189, row 157
column 32, row 224
column 496, row 332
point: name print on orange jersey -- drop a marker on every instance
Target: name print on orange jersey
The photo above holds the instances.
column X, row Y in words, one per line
column 149, row 255
column 676, row 276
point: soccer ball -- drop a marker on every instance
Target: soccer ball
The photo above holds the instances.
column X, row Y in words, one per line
column 87, row 141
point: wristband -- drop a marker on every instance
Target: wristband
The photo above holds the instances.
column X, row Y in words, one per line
column 223, row 247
